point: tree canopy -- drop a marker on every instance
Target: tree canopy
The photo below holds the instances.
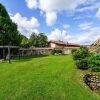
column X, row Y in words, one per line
column 9, row 35
column 25, row 43
column 39, row 40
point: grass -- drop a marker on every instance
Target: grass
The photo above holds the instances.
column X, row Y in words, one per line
column 43, row 78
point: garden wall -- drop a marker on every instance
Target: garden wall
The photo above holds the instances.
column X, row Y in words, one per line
column 93, row 81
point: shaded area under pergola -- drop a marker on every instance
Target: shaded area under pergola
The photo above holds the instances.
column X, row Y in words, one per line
column 5, row 52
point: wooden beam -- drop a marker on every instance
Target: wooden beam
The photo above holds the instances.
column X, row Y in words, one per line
column 4, row 53
column 9, row 56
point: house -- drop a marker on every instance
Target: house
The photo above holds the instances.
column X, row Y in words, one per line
column 66, row 46
column 62, row 44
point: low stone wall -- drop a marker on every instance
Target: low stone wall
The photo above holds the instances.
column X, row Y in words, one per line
column 93, row 81
column 36, row 51
column 43, row 51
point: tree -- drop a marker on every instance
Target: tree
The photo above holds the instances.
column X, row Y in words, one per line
column 9, row 34
column 34, row 40
column 25, row 42
column 39, row 40
column 42, row 40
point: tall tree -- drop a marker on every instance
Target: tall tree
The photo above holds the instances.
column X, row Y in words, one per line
column 39, row 40
column 34, row 39
column 9, row 34
column 25, row 42
column 42, row 40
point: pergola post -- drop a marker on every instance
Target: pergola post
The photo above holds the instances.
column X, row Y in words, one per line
column 19, row 53
column 3, row 53
column 9, row 54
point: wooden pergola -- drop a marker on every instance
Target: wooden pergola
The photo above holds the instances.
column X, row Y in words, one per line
column 8, row 51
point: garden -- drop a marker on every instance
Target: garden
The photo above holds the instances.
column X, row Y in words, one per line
column 88, row 61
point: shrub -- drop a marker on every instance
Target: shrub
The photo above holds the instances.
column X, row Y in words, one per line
column 73, row 51
column 81, row 56
column 81, row 53
column 95, row 63
column 76, row 55
column 56, row 51
column 82, row 64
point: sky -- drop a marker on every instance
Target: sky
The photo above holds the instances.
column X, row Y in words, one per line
column 76, row 21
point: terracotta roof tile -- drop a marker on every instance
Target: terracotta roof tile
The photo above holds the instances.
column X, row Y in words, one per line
column 64, row 43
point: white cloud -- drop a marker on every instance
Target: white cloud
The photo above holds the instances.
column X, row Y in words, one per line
column 85, row 25
column 98, row 13
column 66, row 26
column 57, row 34
column 85, row 38
column 31, row 4
column 90, row 7
column 51, row 18
column 25, row 26
column 53, row 7
column 59, row 5
column 86, row 8
column 81, row 38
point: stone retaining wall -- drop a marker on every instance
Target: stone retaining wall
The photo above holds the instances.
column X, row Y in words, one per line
column 93, row 81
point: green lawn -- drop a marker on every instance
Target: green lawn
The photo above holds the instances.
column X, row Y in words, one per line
column 43, row 78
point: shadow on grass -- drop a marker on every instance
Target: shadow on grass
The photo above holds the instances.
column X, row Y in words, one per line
column 27, row 58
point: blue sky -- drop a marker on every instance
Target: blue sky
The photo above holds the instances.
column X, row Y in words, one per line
column 68, row 20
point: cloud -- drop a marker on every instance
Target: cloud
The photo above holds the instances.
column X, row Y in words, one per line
column 57, row 34
column 86, row 8
column 85, row 25
column 59, row 5
column 90, row 7
column 31, row 4
column 53, row 7
column 51, row 18
column 25, row 26
column 66, row 26
column 83, row 38
column 98, row 13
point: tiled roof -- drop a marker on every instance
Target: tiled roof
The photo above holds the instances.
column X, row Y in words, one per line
column 64, row 43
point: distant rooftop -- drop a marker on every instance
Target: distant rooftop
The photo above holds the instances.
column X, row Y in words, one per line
column 64, row 43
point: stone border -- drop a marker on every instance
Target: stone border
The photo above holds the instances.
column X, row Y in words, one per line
column 93, row 81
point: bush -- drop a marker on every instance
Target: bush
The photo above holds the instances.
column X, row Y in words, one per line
column 82, row 64
column 95, row 63
column 73, row 51
column 56, row 51
column 76, row 55
column 81, row 53
column 81, row 56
